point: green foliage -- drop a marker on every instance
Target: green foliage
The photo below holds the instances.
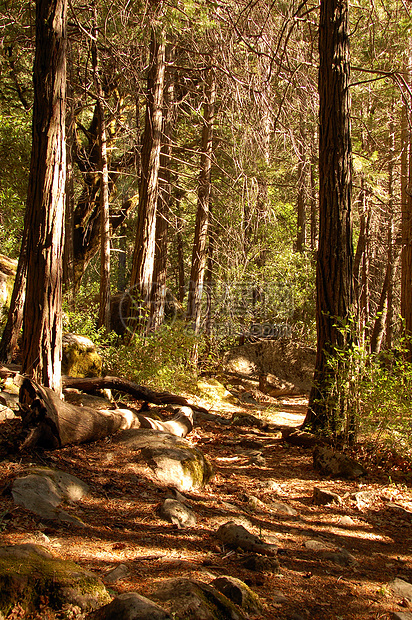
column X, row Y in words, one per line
column 369, row 395
column 161, row 360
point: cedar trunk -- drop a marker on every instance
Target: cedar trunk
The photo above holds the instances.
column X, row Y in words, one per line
column 335, row 254
column 199, row 254
column 144, row 249
column 42, row 317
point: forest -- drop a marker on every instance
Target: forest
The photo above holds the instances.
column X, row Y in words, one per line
column 214, row 198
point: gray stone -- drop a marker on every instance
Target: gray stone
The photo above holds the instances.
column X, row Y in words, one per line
column 119, row 572
column 28, row 571
column 177, row 513
column 6, row 413
column 403, row 512
column 43, row 490
column 235, row 536
column 283, row 509
column 333, row 463
column 80, row 357
column 260, row 563
column 318, row 545
column 401, row 588
column 238, row 592
column 174, row 460
column 324, row 496
column 130, row 606
column 187, row 598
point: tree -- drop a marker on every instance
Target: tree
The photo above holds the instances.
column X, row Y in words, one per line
column 44, row 221
column 199, row 254
column 144, row 250
column 334, row 287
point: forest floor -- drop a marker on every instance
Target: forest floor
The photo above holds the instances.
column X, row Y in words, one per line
column 123, row 525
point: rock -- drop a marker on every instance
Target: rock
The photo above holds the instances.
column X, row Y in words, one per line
column 174, row 461
column 43, row 490
column 80, row 357
column 279, row 597
column 403, row 512
column 341, row 557
column 238, row 592
column 130, row 606
column 364, row 497
column 300, row 438
column 246, row 419
column 333, row 463
column 119, row 572
column 324, row 496
column 283, row 509
column 235, row 536
column 194, row 600
column 284, row 361
column 8, row 267
column 256, row 504
column 318, row 545
column 10, row 400
column 401, row 615
column 346, row 521
column 261, row 563
column 177, row 513
column 401, row 588
column 29, row 572
column 6, row 413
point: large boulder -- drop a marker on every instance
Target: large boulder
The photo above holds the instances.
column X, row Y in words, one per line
column 130, row 606
column 30, row 573
column 43, row 489
column 286, row 366
column 8, row 267
column 80, row 357
column 330, row 462
column 174, row 460
column 193, row 600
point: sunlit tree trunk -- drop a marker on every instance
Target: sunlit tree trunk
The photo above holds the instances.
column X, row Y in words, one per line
column 144, row 249
column 104, row 296
column 42, row 318
column 335, row 254
column 199, row 254
column 406, row 256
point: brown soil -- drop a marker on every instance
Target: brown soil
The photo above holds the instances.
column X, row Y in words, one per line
column 123, row 525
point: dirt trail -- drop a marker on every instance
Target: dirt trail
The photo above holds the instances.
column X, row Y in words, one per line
column 360, row 544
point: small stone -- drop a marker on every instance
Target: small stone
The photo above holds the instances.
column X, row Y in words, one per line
column 283, row 509
column 402, row 615
column 119, row 572
column 256, row 504
column 261, row 563
column 324, row 496
column 346, row 521
column 318, row 545
column 401, row 588
column 279, row 597
column 177, row 513
column 238, row 592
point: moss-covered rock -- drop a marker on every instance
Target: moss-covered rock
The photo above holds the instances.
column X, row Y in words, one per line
column 8, row 267
column 187, row 599
column 30, row 573
column 79, row 357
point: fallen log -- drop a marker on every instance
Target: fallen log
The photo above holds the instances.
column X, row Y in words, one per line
column 129, row 387
column 54, row 423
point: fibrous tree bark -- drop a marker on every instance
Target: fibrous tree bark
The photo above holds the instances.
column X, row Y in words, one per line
column 334, row 261
column 104, row 297
column 199, row 253
column 42, row 317
column 144, row 249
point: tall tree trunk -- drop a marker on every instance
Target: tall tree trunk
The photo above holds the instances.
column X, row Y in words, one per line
column 406, row 257
column 42, row 318
column 313, row 202
column 302, row 189
column 144, row 249
column 14, row 322
column 335, row 254
column 199, row 254
column 104, row 296
column 68, row 260
column 157, row 306
column 391, row 233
